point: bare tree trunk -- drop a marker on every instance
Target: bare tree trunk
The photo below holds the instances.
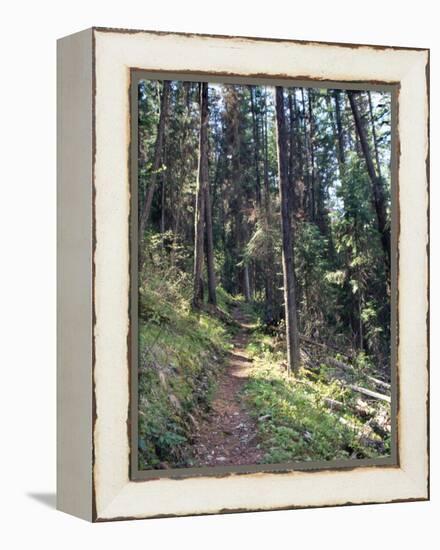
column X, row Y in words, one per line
column 250, row 288
column 266, row 164
column 163, row 192
column 293, row 152
column 376, row 183
column 340, row 131
column 246, row 283
column 308, row 194
column 271, row 315
column 373, row 130
column 300, row 162
column 202, row 182
column 246, row 279
column 162, row 207
column 340, row 144
column 256, row 148
column 331, row 115
column 361, row 325
column 293, row 356
column 146, row 208
column 183, row 152
column 212, row 297
column 312, row 155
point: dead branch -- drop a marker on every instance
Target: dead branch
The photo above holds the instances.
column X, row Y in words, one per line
column 362, row 412
column 378, row 382
column 344, row 366
column 370, row 393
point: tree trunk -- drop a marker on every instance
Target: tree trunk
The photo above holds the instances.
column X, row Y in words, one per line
column 340, row 132
column 162, row 206
column 293, row 153
column 256, row 148
column 244, row 231
column 146, row 209
column 163, row 193
column 212, row 297
column 246, row 283
column 312, row 156
column 376, row 183
column 184, row 151
column 271, row 315
column 202, row 182
column 308, row 194
column 340, row 144
column 293, row 356
column 373, row 131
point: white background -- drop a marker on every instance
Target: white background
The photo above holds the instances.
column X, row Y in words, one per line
column 27, row 272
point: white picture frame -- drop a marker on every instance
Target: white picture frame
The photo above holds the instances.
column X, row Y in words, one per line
column 94, row 68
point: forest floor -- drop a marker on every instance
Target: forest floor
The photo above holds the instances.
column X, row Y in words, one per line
column 228, row 434
column 260, row 414
column 214, row 391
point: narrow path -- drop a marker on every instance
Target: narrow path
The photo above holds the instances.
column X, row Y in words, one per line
column 228, row 436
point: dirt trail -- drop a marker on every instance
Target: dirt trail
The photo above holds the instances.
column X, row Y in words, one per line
column 229, row 434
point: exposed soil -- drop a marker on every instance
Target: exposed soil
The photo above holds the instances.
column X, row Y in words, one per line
column 228, row 435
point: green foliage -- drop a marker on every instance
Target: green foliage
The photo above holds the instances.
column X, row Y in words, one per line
column 224, row 300
column 318, row 300
column 264, row 243
column 342, row 296
column 362, row 277
column 180, row 354
column 294, row 421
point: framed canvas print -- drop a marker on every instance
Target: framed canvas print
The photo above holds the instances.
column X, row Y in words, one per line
column 242, row 274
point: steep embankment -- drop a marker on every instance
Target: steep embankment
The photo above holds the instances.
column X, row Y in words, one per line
column 180, row 357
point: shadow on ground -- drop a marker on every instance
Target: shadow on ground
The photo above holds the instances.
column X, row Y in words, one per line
column 47, row 499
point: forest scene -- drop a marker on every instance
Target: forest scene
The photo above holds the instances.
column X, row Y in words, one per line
column 264, row 274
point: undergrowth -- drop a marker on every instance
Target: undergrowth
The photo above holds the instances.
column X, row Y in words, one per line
column 180, row 354
column 294, row 421
column 182, row 351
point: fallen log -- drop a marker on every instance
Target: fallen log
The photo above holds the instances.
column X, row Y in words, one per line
column 380, row 430
column 333, row 404
column 369, row 393
column 364, row 438
column 362, row 412
column 378, row 382
column 345, row 366
column 363, row 409
column 372, row 423
column 353, row 387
